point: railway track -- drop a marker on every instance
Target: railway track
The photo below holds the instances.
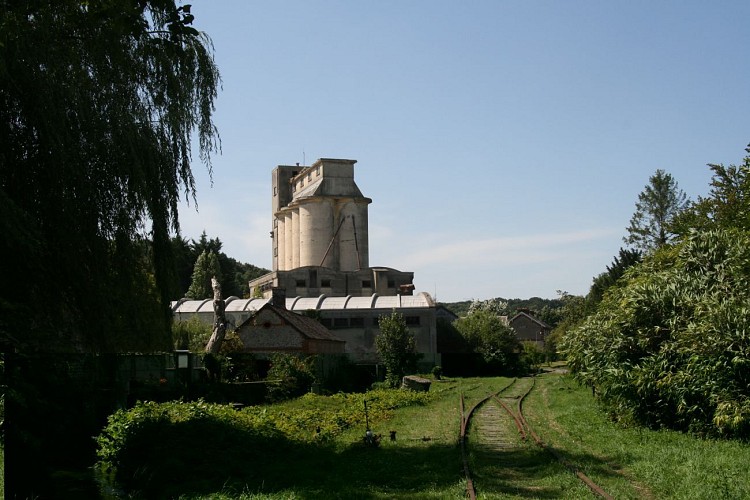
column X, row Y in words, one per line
column 497, row 424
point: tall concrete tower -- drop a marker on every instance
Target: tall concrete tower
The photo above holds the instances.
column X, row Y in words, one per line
column 319, row 217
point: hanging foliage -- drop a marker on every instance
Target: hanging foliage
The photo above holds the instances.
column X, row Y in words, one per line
column 99, row 106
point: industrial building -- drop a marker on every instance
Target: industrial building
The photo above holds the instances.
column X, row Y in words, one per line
column 320, row 254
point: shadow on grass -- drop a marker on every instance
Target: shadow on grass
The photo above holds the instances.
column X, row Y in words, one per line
column 533, row 472
column 312, row 471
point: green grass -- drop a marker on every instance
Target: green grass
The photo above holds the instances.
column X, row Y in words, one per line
column 642, row 463
column 424, row 462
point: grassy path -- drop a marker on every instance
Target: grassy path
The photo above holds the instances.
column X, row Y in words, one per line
column 424, row 461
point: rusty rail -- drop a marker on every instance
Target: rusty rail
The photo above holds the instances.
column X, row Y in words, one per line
column 523, row 428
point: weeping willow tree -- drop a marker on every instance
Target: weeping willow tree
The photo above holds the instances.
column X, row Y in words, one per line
column 100, row 103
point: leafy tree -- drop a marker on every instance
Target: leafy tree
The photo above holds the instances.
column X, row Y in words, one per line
column 621, row 263
column 192, row 334
column 396, row 347
column 206, row 267
column 236, row 275
column 99, row 105
column 657, row 206
column 496, row 306
column 728, row 203
column 491, row 338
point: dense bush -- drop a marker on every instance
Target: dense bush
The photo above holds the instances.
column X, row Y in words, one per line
column 149, row 446
column 492, row 340
column 670, row 346
column 159, row 450
column 289, row 376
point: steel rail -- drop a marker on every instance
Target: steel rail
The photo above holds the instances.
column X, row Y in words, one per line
column 523, row 428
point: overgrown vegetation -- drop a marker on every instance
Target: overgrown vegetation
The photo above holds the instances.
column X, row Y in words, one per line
column 490, row 338
column 290, row 376
column 211, row 447
column 668, row 346
column 291, row 443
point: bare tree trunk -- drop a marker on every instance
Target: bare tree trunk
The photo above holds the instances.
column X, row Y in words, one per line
column 220, row 321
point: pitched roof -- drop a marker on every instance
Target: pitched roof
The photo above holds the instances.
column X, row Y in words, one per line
column 308, row 327
column 532, row 318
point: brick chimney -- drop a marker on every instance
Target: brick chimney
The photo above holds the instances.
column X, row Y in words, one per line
column 278, row 297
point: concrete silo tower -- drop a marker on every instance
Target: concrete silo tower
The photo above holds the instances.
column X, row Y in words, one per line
column 319, row 217
column 320, row 236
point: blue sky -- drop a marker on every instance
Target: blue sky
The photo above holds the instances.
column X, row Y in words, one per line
column 504, row 143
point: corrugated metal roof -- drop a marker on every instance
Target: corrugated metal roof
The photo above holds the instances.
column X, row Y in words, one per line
column 246, row 304
column 375, row 301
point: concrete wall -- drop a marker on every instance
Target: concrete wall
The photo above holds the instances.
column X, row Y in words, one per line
column 312, row 282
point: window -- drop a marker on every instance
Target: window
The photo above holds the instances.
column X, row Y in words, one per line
column 301, row 283
column 391, row 283
column 366, row 284
column 309, row 176
column 325, row 283
column 412, row 320
column 317, row 171
column 340, row 322
column 357, row 322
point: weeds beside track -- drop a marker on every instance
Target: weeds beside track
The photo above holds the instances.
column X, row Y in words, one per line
column 486, row 418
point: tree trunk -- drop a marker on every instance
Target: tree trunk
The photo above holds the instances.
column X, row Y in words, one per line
column 220, row 322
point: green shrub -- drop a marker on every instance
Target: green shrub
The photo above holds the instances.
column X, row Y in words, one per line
column 144, row 448
column 668, row 346
column 291, row 376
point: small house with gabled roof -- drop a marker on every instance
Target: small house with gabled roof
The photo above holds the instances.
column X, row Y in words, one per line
column 273, row 328
column 529, row 329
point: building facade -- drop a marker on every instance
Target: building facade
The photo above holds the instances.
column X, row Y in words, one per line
column 354, row 320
